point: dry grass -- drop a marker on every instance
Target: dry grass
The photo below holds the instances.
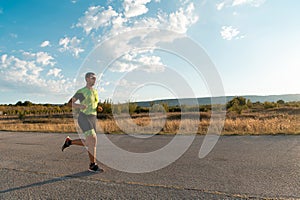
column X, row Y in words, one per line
column 277, row 121
column 276, row 125
column 38, row 125
column 243, row 126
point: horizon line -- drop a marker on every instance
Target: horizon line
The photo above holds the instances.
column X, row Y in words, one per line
column 162, row 99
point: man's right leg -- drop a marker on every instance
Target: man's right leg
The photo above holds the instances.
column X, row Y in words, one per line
column 78, row 142
column 69, row 142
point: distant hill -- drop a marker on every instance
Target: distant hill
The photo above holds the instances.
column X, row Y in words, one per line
column 207, row 100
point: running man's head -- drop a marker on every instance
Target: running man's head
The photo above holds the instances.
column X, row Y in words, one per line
column 90, row 79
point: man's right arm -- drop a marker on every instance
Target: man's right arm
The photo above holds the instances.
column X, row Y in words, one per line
column 72, row 103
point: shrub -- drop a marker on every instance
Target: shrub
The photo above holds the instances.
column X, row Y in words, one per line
column 21, row 115
column 106, row 105
column 237, row 104
column 268, row 105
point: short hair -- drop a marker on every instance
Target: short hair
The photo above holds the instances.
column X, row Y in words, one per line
column 89, row 74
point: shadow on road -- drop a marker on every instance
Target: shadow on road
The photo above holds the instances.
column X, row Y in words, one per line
column 54, row 180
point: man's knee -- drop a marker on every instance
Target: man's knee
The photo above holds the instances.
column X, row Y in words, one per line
column 91, row 140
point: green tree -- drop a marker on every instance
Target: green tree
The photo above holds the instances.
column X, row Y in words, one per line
column 237, row 104
column 19, row 103
column 281, row 102
column 27, row 103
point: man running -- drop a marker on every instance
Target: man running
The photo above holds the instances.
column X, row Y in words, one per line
column 88, row 106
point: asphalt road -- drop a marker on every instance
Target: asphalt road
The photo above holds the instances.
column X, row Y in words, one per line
column 32, row 166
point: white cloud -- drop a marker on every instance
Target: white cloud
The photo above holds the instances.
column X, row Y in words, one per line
column 126, row 83
column 55, row 72
column 239, row 2
column 179, row 21
column 26, row 74
column 3, row 58
column 28, row 55
column 72, row 45
column 96, row 17
column 220, row 5
column 148, row 22
column 118, row 21
column 40, row 57
column 234, row 3
column 123, row 67
column 64, row 42
column 18, row 70
column 130, row 62
column 1, row 10
column 255, row 3
column 45, row 43
column 44, row 58
column 151, row 63
column 115, row 23
column 184, row 2
column 135, row 8
column 182, row 19
column 228, row 32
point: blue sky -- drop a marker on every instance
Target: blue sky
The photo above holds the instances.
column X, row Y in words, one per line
column 254, row 45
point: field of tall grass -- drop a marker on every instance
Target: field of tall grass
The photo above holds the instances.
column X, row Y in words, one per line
column 271, row 121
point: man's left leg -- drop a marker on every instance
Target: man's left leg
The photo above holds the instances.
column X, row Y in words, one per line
column 91, row 142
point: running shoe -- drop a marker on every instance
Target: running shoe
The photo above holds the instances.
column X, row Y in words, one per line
column 95, row 168
column 67, row 143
